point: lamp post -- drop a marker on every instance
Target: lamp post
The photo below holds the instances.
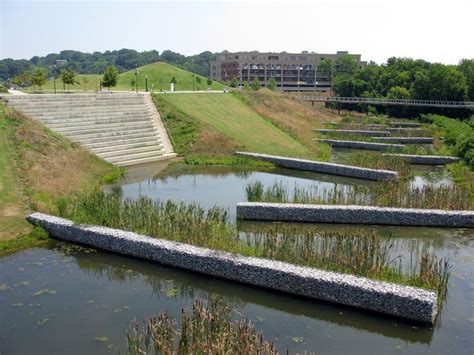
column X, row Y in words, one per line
column 146, row 83
column 193, row 82
column 54, row 84
column 136, row 80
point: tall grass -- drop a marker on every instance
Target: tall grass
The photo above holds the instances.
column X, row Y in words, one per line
column 358, row 253
column 378, row 161
column 383, row 194
column 206, row 329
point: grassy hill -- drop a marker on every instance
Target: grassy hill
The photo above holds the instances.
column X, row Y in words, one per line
column 226, row 116
column 87, row 82
column 159, row 74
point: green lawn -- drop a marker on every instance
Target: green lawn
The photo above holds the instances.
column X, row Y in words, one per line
column 87, row 82
column 233, row 118
column 12, row 211
column 160, row 74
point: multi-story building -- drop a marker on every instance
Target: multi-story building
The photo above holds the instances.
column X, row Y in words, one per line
column 291, row 71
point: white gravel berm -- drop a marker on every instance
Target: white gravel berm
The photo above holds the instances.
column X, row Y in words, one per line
column 324, row 167
column 354, row 214
column 391, row 299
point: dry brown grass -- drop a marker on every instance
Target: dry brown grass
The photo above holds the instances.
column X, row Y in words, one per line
column 50, row 165
column 297, row 118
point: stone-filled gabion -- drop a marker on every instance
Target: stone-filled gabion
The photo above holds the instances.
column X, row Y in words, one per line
column 361, row 145
column 323, row 167
column 407, row 140
column 396, row 300
column 427, row 159
column 292, row 212
column 356, row 132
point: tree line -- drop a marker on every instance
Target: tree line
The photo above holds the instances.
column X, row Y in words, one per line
column 403, row 78
column 97, row 62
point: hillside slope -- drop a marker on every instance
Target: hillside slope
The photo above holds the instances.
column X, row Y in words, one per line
column 238, row 122
column 160, row 74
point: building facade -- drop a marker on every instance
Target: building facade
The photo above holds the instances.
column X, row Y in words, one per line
column 291, row 71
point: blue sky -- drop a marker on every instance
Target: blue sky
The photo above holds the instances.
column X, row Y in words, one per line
column 434, row 30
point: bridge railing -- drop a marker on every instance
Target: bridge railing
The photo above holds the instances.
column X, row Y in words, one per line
column 383, row 101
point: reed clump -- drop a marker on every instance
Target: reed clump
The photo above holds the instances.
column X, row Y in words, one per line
column 359, row 253
column 374, row 160
column 382, row 194
column 206, row 329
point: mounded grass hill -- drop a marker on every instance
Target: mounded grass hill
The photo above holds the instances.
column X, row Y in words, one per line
column 87, row 82
column 213, row 124
column 40, row 170
column 160, row 75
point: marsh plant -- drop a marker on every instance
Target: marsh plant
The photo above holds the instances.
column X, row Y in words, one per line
column 374, row 160
column 206, row 329
column 383, row 194
column 356, row 252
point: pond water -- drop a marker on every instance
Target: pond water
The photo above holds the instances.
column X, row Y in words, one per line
column 64, row 298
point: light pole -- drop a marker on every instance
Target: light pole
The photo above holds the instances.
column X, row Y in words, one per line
column 193, row 82
column 136, row 80
column 146, row 83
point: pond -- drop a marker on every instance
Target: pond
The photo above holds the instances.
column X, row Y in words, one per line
column 64, row 298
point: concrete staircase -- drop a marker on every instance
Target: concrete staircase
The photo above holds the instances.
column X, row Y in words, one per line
column 122, row 128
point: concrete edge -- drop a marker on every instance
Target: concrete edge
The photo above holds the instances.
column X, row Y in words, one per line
column 354, row 214
column 407, row 140
column 324, row 167
column 426, row 159
column 360, row 144
column 159, row 124
column 376, row 296
column 354, row 131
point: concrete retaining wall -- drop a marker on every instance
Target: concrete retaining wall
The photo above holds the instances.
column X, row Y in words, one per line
column 404, row 124
column 355, row 131
column 407, row 140
column 427, row 159
column 290, row 212
column 326, row 168
column 395, row 300
column 361, row 145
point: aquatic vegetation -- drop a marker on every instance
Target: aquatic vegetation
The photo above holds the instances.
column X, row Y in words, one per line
column 360, row 253
column 375, row 160
column 383, row 194
column 206, row 329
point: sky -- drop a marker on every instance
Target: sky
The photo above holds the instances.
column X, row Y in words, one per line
column 434, row 30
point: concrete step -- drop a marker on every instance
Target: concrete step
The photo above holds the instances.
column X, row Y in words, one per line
column 112, row 134
column 117, row 146
column 76, row 98
column 62, row 110
column 120, row 153
column 146, row 160
column 79, row 122
column 131, row 138
column 123, row 158
column 73, row 130
column 86, row 115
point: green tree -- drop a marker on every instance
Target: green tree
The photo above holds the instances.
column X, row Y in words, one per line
column 198, row 80
column 110, row 77
column 234, row 83
column 466, row 66
column 38, row 77
column 209, row 81
column 325, row 67
column 21, row 79
column 68, row 77
column 272, row 84
column 398, row 92
column 132, row 84
column 440, row 82
column 256, row 84
column 346, row 64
